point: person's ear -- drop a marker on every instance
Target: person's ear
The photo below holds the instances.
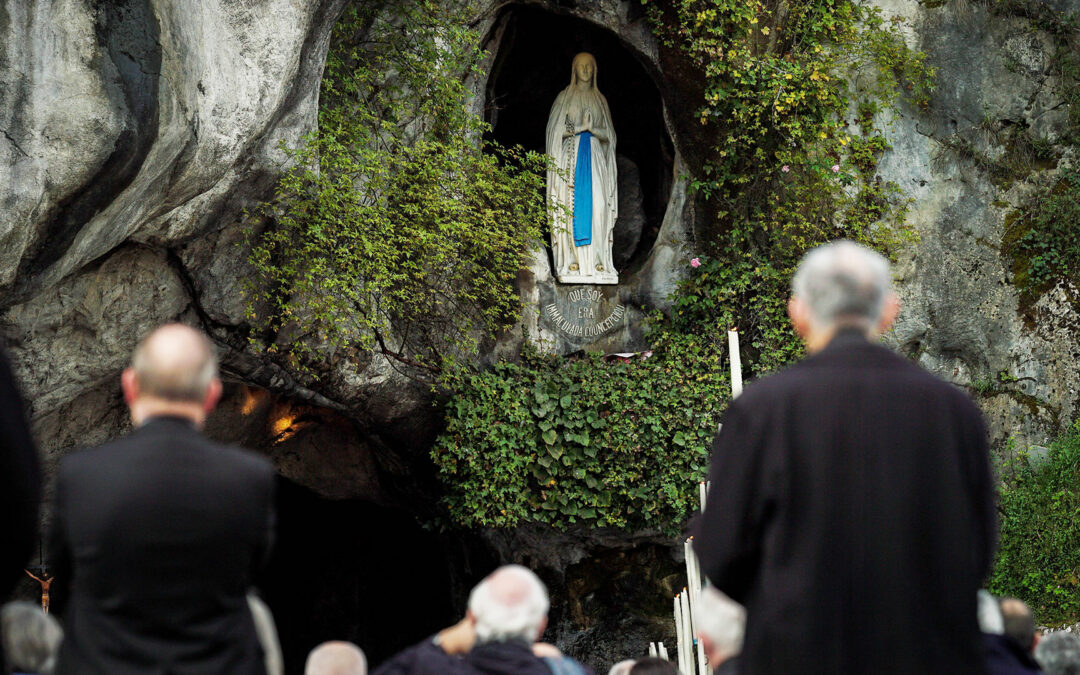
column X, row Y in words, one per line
column 470, row 617
column 130, row 386
column 800, row 317
column 542, row 628
column 213, row 395
column 889, row 312
column 710, row 654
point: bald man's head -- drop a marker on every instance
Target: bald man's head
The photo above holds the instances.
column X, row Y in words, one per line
column 174, row 363
column 336, row 658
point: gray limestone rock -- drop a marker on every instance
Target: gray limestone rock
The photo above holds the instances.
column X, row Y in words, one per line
column 133, row 134
column 962, row 317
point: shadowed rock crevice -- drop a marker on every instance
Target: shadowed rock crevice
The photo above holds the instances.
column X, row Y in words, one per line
column 128, row 33
column 352, row 570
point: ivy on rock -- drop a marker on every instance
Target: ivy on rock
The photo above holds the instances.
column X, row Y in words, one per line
column 394, row 227
column 589, row 441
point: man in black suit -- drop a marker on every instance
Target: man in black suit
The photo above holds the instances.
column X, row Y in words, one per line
column 851, row 508
column 157, row 535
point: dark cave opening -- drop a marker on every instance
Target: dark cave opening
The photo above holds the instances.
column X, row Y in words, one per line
column 529, row 71
column 353, row 570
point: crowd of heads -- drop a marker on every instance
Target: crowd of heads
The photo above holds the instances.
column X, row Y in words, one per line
column 1011, row 619
column 511, row 604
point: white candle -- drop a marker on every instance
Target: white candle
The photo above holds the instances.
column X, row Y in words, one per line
column 694, row 577
column 652, row 649
column 736, row 363
column 689, row 642
column 663, row 651
column 701, row 494
column 680, row 639
column 703, row 668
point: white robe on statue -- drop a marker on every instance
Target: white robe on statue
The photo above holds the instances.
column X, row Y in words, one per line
column 590, row 263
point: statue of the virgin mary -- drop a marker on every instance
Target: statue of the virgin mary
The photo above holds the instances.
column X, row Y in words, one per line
column 582, row 186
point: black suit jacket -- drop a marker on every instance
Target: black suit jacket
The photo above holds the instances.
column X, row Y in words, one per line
column 157, row 536
column 851, row 510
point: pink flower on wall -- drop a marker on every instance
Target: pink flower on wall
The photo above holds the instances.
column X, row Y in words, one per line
column 835, row 168
column 695, row 262
column 785, row 168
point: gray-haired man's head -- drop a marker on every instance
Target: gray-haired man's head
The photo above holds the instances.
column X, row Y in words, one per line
column 510, row 604
column 720, row 626
column 31, row 638
column 841, row 285
column 1059, row 654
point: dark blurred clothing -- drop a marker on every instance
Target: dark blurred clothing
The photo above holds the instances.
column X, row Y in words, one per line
column 852, row 512
column 20, row 484
column 492, row 658
column 157, row 536
column 1005, row 656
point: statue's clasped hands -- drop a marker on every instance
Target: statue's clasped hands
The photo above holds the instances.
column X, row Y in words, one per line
column 586, row 123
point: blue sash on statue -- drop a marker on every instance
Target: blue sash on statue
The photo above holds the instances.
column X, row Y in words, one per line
column 583, row 191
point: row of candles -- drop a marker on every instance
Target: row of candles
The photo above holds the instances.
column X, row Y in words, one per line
column 689, row 652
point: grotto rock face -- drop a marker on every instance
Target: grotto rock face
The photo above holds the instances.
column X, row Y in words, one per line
column 963, row 318
column 132, row 134
column 131, row 131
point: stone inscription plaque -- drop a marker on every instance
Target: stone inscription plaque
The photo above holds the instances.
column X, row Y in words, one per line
column 584, row 313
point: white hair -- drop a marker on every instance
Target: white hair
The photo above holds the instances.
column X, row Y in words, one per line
column 31, row 638
column 1059, row 653
column 336, row 658
column 622, row 667
column 843, row 283
column 721, row 620
column 510, row 604
column 989, row 613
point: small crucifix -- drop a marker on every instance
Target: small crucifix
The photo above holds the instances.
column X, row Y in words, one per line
column 46, row 581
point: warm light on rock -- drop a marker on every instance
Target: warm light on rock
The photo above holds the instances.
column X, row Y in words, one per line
column 283, row 427
column 252, row 398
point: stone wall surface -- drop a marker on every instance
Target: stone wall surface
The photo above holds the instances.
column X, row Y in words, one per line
column 132, row 134
column 963, row 318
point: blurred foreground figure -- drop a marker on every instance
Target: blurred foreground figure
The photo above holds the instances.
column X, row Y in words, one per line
column 157, row 535
column 336, row 658
column 31, row 638
column 851, row 508
column 1059, row 653
column 1007, row 641
column 1018, row 622
column 654, row 666
column 721, row 626
column 19, row 484
column 498, row 636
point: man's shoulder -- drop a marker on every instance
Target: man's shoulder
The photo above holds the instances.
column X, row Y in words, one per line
column 235, row 458
column 142, row 439
column 93, row 455
column 871, row 364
